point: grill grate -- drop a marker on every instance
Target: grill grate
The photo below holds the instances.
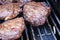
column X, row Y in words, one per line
column 42, row 33
column 56, row 21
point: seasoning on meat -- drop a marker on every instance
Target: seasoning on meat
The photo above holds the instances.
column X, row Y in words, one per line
column 9, row 11
column 36, row 13
column 12, row 29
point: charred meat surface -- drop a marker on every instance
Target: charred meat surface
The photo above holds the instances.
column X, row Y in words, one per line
column 12, row 29
column 36, row 12
column 5, row 1
column 9, row 11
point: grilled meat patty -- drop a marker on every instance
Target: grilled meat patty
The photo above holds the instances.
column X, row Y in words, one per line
column 36, row 12
column 12, row 29
column 9, row 11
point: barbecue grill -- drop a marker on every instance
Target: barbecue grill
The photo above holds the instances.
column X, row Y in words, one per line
column 49, row 31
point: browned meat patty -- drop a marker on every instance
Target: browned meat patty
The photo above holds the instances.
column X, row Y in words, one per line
column 12, row 29
column 9, row 11
column 5, row 1
column 36, row 13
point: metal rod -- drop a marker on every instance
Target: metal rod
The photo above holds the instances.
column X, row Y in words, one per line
column 56, row 17
column 40, row 34
column 33, row 33
column 21, row 37
column 51, row 30
column 55, row 25
column 46, row 31
column 26, row 33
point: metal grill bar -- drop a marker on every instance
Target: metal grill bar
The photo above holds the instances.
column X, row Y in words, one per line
column 46, row 31
column 51, row 30
column 54, row 22
column 26, row 33
column 40, row 35
column 33, row 33
column 42, row 31
column 55, row 25
column 21, row 37
column 56, row 17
